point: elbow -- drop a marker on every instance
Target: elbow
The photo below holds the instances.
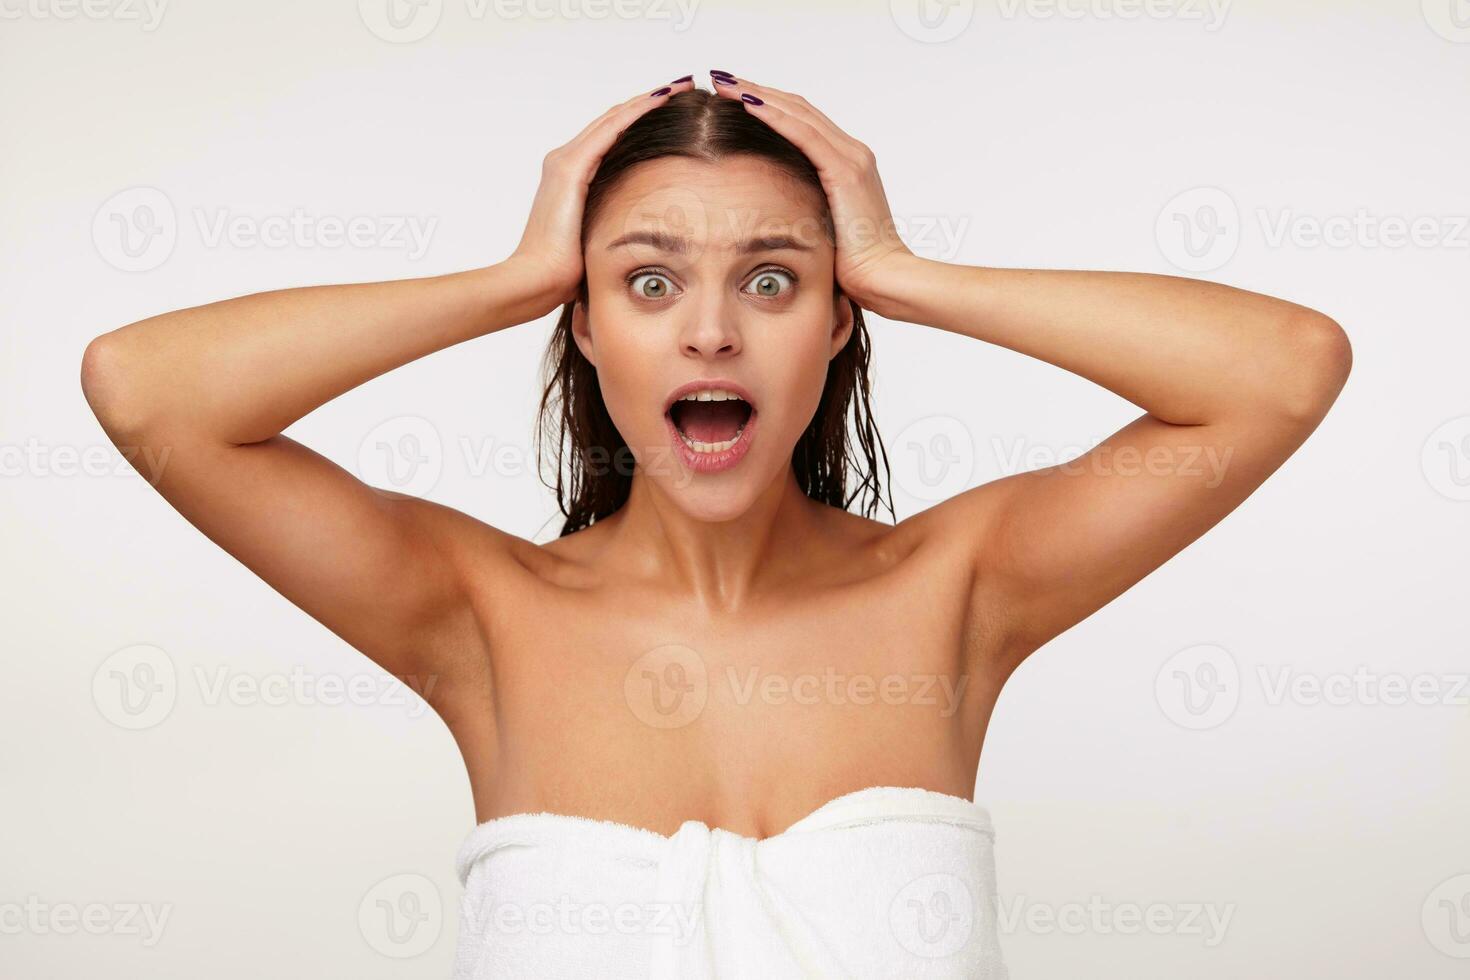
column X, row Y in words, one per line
column 96, row 367
column 1319, row 360
column 106, row 385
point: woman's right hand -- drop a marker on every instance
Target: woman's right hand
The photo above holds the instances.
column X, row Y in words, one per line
column 550, row 249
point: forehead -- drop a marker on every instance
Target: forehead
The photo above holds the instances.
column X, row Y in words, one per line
column 715, row 205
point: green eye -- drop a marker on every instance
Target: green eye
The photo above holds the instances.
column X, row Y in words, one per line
column 769, row 282
column 650, row 285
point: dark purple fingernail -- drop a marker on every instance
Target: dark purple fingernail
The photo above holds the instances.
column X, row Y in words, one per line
column 686, row 78
column 716, row 71
column 747, row 97
column 663, row 91
column 724, row 81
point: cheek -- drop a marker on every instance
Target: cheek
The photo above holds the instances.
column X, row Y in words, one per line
column 798, row 370
column 627, row 378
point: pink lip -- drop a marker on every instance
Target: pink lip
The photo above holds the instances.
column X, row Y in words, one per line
column 711, row 462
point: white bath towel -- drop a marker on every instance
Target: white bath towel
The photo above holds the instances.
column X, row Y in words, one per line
column 882, row 882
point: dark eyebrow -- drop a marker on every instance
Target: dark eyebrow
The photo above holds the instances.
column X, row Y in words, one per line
column 680, row 246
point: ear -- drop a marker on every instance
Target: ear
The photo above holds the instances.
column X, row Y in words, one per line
column 842, row 323
column 582, row 329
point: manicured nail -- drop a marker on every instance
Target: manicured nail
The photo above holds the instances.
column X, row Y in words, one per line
column 747, row 97
column 686, row 78
column 716, row 71
column 663, row 91
column 720, row 80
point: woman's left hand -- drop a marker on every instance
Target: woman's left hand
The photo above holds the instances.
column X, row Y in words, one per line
column 870, row 252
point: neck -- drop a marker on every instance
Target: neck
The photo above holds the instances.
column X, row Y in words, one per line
column 718, row 564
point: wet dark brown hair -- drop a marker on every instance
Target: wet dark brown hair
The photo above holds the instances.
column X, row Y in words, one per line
column 594, row 466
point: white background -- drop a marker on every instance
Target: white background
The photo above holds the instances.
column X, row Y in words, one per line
column 1013, row 134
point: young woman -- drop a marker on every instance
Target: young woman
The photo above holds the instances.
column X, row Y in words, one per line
column 722, row 726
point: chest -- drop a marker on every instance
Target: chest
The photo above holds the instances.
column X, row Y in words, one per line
column 618, row 700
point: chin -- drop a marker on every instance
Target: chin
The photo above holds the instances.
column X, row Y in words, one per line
column 723, row 494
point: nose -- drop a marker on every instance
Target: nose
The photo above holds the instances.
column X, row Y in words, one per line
column 710, row 332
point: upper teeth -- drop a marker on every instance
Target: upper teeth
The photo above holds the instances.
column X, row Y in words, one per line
column 711, row 395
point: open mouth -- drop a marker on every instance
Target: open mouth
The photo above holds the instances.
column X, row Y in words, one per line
column 710, row 420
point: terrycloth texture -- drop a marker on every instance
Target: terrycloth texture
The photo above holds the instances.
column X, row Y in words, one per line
column 882, row 882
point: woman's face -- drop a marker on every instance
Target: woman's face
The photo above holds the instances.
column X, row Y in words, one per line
column 711, row 276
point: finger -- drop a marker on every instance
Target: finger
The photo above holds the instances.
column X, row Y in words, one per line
column 637, row 105
column 806, row 135
column 795, row 105
column 779, row 100
column 598, row 136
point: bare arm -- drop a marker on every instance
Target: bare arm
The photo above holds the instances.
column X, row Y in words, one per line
column 214, row 386
column 210, row 390
column 242, row 370
column 1221, row 373
column 1231, row 383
